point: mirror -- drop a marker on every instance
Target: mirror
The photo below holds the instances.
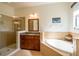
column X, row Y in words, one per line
column 33, row 24
column 19, row 24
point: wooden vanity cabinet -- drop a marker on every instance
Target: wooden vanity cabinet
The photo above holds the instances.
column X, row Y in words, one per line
column 31, row 42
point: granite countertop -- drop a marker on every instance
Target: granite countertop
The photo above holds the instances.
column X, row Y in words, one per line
column 28, row 33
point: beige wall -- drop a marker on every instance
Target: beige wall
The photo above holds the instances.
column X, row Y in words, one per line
column 46, row 13
column 6, row 10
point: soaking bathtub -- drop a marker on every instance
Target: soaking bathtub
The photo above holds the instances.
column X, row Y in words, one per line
column 65, row 48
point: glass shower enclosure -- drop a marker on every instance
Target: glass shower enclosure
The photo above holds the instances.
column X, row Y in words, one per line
column 7, row 35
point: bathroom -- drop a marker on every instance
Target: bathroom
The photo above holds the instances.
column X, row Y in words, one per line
column 46, row 22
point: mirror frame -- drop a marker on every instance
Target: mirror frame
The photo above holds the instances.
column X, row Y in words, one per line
column 30, row 25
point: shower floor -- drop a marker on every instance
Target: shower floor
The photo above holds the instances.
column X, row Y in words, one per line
column 7, row 50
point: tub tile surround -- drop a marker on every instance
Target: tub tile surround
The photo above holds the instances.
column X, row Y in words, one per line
column 53, row 35
column 60, row 35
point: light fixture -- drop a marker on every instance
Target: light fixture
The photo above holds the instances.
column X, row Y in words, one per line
column 16, row 23
column 33, row 16
column 15, row 16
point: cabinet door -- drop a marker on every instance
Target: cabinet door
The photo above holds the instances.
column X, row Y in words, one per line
column 31, row 42
column 26, row 42
column 36, row 42
column 22, row 41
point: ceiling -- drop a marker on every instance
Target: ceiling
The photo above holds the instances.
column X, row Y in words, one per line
column 25, row 4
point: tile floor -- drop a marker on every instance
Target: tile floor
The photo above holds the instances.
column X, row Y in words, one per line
column 27, row 53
